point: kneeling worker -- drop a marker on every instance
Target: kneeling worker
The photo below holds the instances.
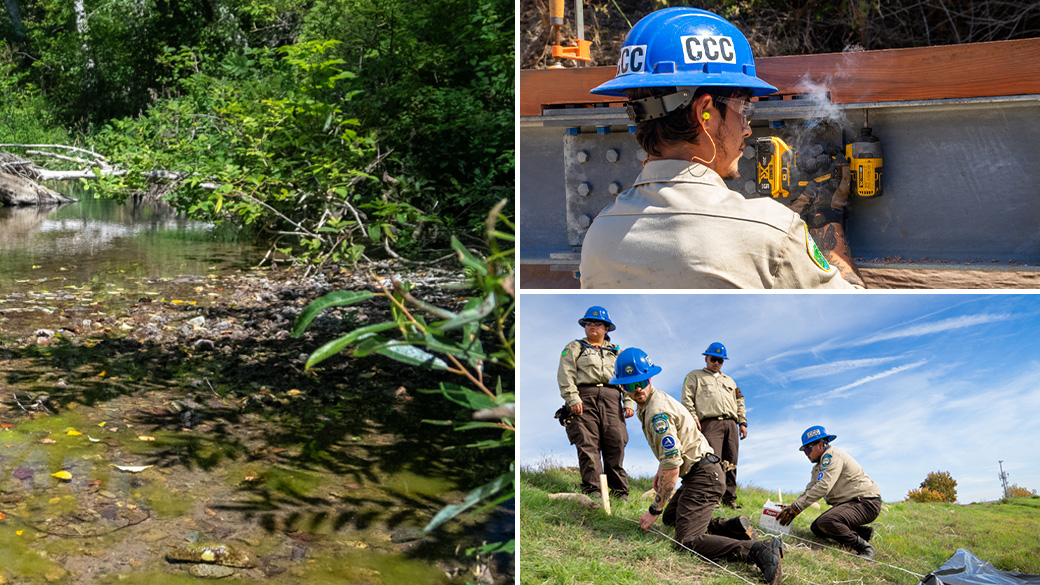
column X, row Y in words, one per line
column 854, row 497
column 682, row 451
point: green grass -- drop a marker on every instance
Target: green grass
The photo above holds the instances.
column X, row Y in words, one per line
column 562, row 542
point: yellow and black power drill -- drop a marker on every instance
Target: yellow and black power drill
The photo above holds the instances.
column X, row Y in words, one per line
column 781, row 175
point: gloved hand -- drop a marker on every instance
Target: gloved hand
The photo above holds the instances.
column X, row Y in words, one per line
column 831, row 198
column 787, row 515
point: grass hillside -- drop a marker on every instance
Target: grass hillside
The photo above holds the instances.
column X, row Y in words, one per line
column 562, row 542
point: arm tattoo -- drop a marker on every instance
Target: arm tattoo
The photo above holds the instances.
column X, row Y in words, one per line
column 830, row 238
column 665, row 488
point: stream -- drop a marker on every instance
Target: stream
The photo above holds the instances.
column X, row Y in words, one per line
column 157, row 425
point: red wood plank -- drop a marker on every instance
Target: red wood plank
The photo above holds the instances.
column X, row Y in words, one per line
column 999, row 68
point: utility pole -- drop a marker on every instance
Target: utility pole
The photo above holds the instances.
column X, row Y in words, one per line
column 1003, row 478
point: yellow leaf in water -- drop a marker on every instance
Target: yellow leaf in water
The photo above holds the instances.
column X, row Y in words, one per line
column 19, row 532
column 101, row 424
column 53, row 501
column 102, row 374
column 145, row 438
column 63, row 475
column 73, row 433
column 176, row 302
column 294, row 392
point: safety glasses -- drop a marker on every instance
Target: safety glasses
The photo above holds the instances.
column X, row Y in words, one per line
column 743, row 107
column 634, row 386
column 808, row 448
column 715, row 360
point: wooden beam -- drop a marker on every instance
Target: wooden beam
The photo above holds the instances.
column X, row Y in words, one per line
column 1000, row 68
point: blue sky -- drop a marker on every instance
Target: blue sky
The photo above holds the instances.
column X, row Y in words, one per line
column 910, row 383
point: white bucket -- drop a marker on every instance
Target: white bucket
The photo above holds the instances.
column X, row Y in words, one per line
column 768, row 521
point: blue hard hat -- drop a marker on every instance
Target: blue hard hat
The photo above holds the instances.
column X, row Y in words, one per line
column 633, row 365
column 597, row 314
column 684, row 47
column 716, row 349
column 813, row 434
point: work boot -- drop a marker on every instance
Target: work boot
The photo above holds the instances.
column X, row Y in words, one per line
column 732, row 505
column 619, row 496
column 864, row 532
column 864, row 550
column 766, row 554
column 739, row 527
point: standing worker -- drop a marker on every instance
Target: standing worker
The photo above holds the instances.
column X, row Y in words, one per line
column 682, row 451
column 854, row 497
column 596, row 421
column 717, row 405
column 689, row 77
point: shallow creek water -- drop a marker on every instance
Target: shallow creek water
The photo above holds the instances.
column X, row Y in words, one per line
column 151, row 401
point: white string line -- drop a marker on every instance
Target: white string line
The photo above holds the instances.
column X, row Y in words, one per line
column 919, row 576
column 656, row 531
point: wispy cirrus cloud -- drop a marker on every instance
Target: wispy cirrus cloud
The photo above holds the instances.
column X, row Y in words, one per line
column 842, row 390
column 829, row 369
column 943, row 326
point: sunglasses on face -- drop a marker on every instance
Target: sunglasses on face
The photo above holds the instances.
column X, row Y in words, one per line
column 808, row 448
column 595, row 323
column 744, row 107
column 634, row 386
column 715, row 360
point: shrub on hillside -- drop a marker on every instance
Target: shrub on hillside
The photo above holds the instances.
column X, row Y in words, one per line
column 924, row 495
column 1015, row 491
column 942, row 483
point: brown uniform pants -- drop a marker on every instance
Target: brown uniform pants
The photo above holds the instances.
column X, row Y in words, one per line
column 724, row 437
column 840, row 521
column 690, row 511
column 600, row 430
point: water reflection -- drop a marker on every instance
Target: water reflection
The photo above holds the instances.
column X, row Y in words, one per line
column 94, row 236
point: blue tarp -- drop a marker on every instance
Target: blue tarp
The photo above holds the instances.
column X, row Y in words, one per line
column 964, row 568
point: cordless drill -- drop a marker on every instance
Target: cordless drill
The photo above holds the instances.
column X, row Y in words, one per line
column 783, row 171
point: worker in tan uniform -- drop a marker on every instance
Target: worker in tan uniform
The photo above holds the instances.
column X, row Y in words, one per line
column 689, row 76
column 683, row 452
column 716, row 403
column 594, row 411
column 854, row 498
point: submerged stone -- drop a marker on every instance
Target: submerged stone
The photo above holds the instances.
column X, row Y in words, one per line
column 211, row 571
column 217, row 554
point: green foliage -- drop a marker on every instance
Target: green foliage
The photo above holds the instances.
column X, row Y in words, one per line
column 942, row 483
column 332, row 127
column 267, row 143
column 454, row 342
column 438, row 84
column 24, row 114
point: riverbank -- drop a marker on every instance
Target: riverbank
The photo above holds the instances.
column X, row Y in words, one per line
column 319, row 476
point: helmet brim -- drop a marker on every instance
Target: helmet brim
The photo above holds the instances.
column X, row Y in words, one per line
column 650, row 373
column 828, row 438
column 610, row 326
column 619, row 85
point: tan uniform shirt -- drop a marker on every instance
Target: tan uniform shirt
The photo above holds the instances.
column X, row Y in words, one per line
column 679, row 226
column 594, row 367
column 708, row 396
column 837, row 478
column 671, row 432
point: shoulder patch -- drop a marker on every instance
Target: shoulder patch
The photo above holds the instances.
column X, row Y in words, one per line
column 825, row 461
column 660, row 423
column 819, row 476
column 566, row 351
column 671, row 452
column 667, row 442
column 815, row 253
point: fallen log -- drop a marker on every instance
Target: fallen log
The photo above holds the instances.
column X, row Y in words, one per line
column 16, row 191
